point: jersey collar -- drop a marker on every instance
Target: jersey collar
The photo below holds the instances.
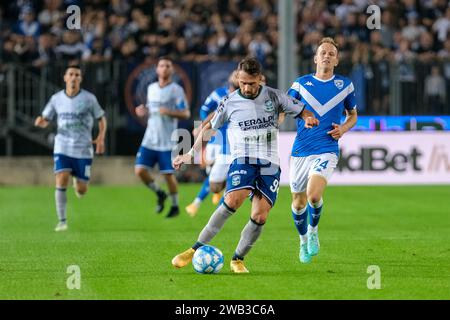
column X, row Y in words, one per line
column 71, row 97
column 314, row 76
column 259, row 91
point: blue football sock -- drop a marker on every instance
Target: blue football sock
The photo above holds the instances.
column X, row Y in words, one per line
column 204, row 190
column 301, row 220
column 314, row 211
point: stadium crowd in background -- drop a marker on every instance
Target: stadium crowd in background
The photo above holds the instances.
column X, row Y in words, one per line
column 412, row 31
column 35, row 31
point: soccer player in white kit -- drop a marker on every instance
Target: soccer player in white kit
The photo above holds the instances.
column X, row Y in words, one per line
column 315, row 152
column 166, row 103
column 252, row 114
column 75, row 110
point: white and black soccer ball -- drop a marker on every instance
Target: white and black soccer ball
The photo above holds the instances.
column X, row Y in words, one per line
column 207, row 259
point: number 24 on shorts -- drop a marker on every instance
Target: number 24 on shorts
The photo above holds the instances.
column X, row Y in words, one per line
column 317, row 164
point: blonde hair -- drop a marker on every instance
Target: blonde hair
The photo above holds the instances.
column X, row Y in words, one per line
column 330, row 41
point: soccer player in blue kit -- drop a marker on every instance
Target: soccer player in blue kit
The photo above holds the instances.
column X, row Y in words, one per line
column 166, row 103
column 252, row 113
column 75, row 110
column 315, row 151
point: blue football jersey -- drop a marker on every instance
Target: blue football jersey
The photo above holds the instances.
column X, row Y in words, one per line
column 210, row 105
column 327, row 100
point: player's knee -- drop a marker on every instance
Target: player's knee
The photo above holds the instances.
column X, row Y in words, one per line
column 298, row 202
column 259, row 217
column 81, row 189
column 298, row 206
column 314, row 198
column 232, row 202
column 215, row 187
column 139, row 171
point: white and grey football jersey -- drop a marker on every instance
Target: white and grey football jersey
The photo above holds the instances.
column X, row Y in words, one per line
column 253, row 123
column 158, row 135
column 75, row 119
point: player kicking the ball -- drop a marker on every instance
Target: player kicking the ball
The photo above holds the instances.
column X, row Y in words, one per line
column 75, row 110
column 252, row 114
column 315, row 152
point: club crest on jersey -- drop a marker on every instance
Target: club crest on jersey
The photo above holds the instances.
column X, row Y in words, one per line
column 268, row 105
column 236, row 180
column 339, row 84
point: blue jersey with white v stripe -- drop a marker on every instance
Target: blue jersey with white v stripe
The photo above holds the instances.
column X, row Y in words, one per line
column 327, row 100
column 210, row 105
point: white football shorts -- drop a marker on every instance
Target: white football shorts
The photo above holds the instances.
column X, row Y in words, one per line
column 302, row 168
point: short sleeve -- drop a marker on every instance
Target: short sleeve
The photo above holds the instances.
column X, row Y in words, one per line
column 290, row 105
column 220, row 117
column 294, row 90
column 350, row 100
column 181, row 100
column 49, row 110
column 97, row 111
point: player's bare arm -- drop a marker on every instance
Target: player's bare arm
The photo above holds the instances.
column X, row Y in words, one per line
column 350, row 120
column 179, row 114
column 205, row 134
column 310, row 120
column 41, row 122
column 100, row 140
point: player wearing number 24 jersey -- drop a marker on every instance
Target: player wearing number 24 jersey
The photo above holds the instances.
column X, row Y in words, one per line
column 252, row 114
column 315, row 152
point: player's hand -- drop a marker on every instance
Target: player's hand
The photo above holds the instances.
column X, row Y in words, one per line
column 311, row 122
column 180, row 159
column 141, row 111
column 41, row 122
column 337, row 132
column 164, row 111
column 99, row 145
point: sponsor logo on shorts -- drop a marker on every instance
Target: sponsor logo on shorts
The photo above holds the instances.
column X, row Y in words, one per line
column 237, row 172
column 235, row 180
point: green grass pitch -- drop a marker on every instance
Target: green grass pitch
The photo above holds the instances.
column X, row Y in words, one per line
column 124, row 249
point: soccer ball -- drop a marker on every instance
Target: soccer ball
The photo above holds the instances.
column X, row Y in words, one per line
column 207, row 259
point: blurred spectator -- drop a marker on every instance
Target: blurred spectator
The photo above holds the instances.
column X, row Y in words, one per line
column 50, row 14
column 27, row 24
column 260, row 48
column 99, row 51
column 72, row 49
column 413, row 30
column 435, row 91
column 45, row 51
column 426, row 49
column 442, row 26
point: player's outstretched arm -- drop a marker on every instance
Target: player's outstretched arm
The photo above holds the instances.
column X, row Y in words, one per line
column 309, row 118
column 100, row 140
column 41, row 122
column 204, row 135
column 339, row 130
column 179, row 114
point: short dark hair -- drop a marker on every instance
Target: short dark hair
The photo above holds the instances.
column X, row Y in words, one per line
column 165, row 58
column 250, row 65
column 70, row 66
